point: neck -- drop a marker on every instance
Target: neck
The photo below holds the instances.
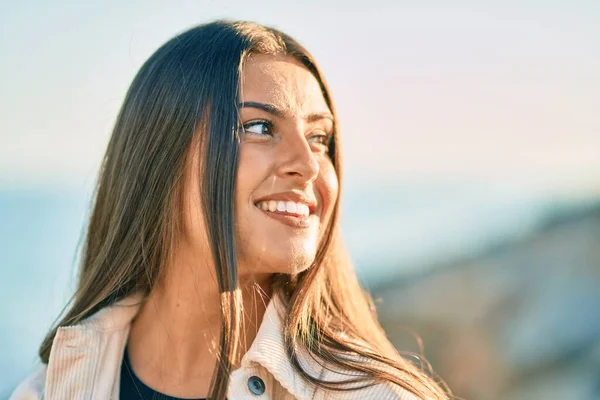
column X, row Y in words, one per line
column 174, row 340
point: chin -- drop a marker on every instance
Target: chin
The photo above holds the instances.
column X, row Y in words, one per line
column 290, row 265
column 262, row 250
column 283, row 261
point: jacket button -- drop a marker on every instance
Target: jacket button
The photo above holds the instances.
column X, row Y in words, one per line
column 256, row 385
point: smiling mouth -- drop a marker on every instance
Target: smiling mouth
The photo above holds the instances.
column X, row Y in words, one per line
column 291, row 213
column 285, row 207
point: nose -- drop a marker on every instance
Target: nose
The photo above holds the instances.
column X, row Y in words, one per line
column 297, row 159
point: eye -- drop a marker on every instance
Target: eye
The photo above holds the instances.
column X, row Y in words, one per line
column 259, row 128
column 321, row 138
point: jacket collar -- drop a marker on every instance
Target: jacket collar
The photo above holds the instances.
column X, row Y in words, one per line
column 85, row 359
column 269, row 350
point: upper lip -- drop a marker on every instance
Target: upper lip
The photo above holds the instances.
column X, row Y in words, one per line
column 297, row 197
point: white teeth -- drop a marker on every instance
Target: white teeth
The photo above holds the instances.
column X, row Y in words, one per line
column 272, row 205
column 285, row 207
column 303, row 209
column 290, row 207
column 281, row 206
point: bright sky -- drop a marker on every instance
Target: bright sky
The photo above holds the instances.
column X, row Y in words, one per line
column 506, row 92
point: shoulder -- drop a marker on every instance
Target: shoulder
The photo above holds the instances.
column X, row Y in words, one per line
column 32, row 387
column 384, row 391
column 380, row 391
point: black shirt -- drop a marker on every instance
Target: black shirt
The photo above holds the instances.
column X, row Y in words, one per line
column 132, row 388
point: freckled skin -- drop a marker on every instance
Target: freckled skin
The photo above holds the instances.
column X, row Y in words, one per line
column 288, row 161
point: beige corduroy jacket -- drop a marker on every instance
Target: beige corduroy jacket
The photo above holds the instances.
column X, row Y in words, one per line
column 86, row 358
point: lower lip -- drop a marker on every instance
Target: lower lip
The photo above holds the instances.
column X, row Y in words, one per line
column 291, row 220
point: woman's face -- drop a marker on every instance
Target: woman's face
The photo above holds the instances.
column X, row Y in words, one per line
column 286, row 184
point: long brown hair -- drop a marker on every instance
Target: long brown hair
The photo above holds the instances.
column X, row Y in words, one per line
column 192, row 82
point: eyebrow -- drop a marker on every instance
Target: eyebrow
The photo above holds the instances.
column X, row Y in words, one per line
column 273, row 110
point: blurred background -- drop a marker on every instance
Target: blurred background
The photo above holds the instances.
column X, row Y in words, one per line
column 472, row 169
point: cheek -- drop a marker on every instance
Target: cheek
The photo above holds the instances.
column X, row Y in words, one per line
column 253, row 168
column 327, row 185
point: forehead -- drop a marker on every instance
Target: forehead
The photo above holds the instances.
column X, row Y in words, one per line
column 283, row 82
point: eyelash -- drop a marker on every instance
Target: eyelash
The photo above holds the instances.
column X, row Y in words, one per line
column 326, row 137
column 268, row 125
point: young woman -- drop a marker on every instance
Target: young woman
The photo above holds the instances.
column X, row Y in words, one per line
column 213, row 266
